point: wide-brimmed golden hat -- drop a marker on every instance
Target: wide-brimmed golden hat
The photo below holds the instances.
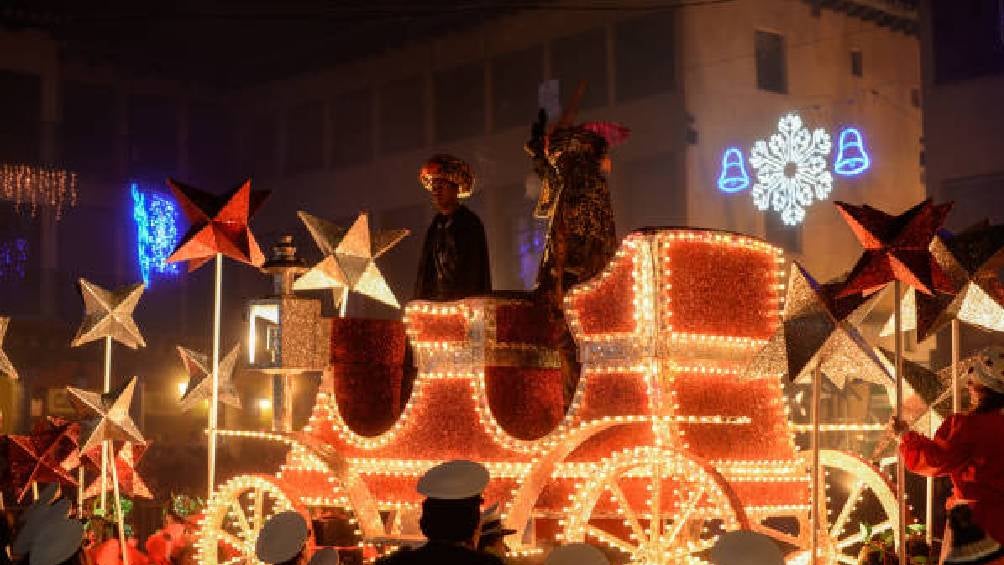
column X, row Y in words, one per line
column 443, row 166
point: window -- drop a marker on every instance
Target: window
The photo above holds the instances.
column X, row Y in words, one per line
column 351, row 127
column 975, row 198
column 515, row 77
column 644, row 55
column 968, row 39
column 402, row 114
column 153, row 136
column 582, row 57
column 787, row 237
column 857, row 65
column 460, row 102
column 771, row 68
column 304, row 137
column 89, row 133
column 20, row 117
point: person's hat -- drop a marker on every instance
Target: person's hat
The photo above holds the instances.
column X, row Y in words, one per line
column 281, row 538
column 491, row 523
column 326, row 556
column 443, row 166
column 36, row 518
column 742, row 547
column 987, row 368
column 454, row 480
column 56, row 541
column 576, row 554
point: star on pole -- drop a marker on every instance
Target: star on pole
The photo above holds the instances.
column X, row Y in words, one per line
column 895, row 248
column 126, row 459
column 971, row 259
column 818, row 328
column 109, row 415
column 6, row 367
column 200, row 378
column 350, row 259
column 48, row 455
column 109, row 314
column 219, row 224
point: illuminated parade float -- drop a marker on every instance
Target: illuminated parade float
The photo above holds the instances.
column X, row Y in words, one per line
column 670, row 438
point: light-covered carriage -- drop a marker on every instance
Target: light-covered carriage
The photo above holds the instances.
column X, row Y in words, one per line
column 666, row 443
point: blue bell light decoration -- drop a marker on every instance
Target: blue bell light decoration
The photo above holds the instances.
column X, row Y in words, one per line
column 733, row 178
column 852, row 159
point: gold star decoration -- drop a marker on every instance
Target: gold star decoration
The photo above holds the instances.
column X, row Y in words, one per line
column 6, row 367
column 971, row 259
column 818, row 328
column 108, row 414
column 109, row 314
column 200, row 378
column 350, row 259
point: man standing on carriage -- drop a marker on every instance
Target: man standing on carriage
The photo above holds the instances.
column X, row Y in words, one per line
column 454, row 262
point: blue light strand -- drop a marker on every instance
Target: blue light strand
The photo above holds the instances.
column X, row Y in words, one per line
column 156, row 219
column 733, row 177
column 13, row 258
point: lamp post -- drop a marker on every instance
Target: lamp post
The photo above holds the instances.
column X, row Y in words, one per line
column 285, row 336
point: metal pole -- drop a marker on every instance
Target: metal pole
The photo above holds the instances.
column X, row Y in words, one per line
column 345, row 301
column 118, row 515
column 900, row 469
column 106, row 387
column 214, row 401
column 956, row 393
column 816, row 495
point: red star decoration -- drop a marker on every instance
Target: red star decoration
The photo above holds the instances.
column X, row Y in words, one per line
column 896, row 248
column 219, row 224
column 48, row 455
column 127, row 457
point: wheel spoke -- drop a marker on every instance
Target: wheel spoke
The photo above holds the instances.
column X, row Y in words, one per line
column 242, row 519
column 625, row 505
column 685, row 513
column 613, row 541
column 845, row 512
column 259, row 501
column 857, row 538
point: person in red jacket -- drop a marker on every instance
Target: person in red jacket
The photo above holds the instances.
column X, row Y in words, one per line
column 967, row 447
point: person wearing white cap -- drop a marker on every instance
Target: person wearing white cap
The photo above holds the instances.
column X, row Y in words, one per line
column 283, row 539
column 967, row 447
column 746, row 548
column 451, row 517
column 576, row 554
column 492, row 538
column 48, row 536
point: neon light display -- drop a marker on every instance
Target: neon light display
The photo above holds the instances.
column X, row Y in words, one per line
column 791, row 169
column 733, row 178
column 156, row 219
column 852, row 159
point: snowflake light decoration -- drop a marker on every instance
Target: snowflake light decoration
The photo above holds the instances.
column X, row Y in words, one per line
column 791, row 169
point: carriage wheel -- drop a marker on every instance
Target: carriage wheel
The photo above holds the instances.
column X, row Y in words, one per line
column 657, row 506
column 234, row 516
column 855, row 492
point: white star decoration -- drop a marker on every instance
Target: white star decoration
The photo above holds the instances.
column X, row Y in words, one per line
column 108, row 313
column 791, row 169
column 200, row 378
column 350, row 262
column 110, row 415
